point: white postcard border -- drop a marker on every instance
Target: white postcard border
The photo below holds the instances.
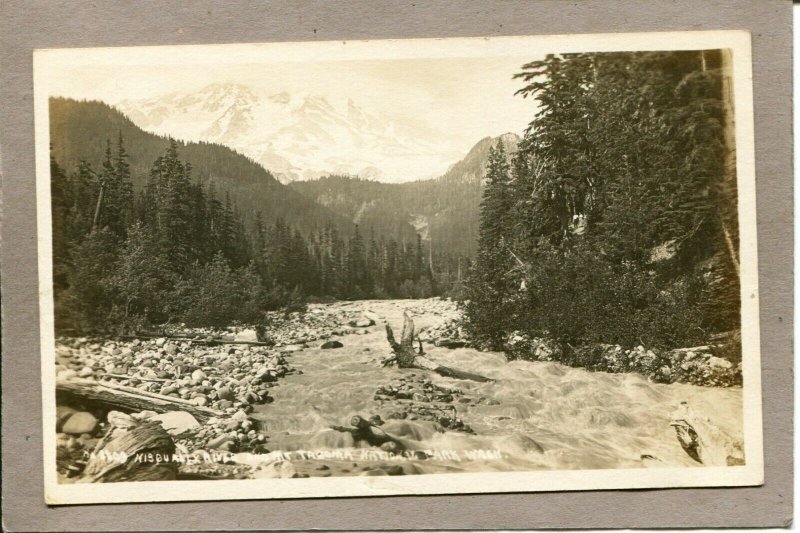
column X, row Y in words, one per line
column 46, row 65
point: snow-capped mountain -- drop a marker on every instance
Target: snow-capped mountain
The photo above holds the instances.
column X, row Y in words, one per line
column 295, row 136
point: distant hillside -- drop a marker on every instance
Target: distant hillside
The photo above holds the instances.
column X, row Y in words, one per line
column 79, row 130
column 444, row 210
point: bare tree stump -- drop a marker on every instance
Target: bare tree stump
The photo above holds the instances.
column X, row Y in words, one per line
column 143, row 453
column 406, row 357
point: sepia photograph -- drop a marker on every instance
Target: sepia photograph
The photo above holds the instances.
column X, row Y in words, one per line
column 415, row 266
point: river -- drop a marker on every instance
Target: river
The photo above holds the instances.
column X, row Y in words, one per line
column 537, row 415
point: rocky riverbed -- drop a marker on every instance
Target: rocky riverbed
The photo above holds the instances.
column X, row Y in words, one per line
column 280, row 400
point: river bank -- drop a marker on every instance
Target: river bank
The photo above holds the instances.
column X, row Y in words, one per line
column 285, row 409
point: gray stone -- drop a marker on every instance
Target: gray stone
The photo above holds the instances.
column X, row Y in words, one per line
column 62, row 415
column 81, row 422
column 331, row 345
column 66, row 374
column 225, row 393
column 177, row 422
column 219, row 442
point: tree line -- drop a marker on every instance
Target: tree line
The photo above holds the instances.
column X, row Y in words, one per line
column 616, row 219
column 179, row 252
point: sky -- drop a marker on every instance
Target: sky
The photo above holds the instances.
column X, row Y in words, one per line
column 452, row 100
column 475, row 92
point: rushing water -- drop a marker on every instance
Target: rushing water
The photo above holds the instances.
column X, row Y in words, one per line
column 541, row 415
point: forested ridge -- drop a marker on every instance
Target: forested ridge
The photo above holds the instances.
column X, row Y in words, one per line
column 79, row 131
column 615, row 221
column 180, row 251
column 444, row 209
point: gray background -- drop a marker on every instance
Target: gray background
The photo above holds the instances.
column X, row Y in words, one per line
column 25, row 25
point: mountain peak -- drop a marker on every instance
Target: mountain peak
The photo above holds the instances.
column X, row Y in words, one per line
column 299, row 134
column 473, row 167
column 509, row 140
column 282, row 97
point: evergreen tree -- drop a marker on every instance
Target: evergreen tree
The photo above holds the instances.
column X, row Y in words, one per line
column 489, row 296
column 618, row 195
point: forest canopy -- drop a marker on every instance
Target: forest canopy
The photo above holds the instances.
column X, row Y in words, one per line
column 179, row 251
column 615, row 221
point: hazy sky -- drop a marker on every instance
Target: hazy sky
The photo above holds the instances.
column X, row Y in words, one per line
column 455, row 100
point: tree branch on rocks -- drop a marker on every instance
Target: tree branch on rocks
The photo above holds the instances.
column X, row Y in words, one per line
column 365, row 430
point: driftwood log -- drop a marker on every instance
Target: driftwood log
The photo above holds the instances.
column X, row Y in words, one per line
column 364, row 430
column 129, row 399
column 406, row 357
column 213, row 341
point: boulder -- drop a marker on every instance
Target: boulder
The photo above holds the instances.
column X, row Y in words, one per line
column 331, row 345
column 225, row 393
column 719, row 363
column 62, row 415
column 230, row 425
column 227, row 446
column 177, row 422
column 240, row 415
column 66, row 374
column 362, row 323
column 450, row 343
column 80, row 422
column 220, row 442
column 200, row 400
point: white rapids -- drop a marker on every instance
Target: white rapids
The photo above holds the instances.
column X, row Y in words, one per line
column 541, row 415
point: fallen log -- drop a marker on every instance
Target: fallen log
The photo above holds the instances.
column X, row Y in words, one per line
column 138, row 378
column 129, row 399
column 214, row 341
column 406, row 357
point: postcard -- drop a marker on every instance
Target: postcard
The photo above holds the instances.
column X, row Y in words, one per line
column 388, row 267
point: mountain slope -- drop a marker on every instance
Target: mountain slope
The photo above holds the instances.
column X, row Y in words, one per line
column 445, row 211
column 296, row 136
column 79, row 130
